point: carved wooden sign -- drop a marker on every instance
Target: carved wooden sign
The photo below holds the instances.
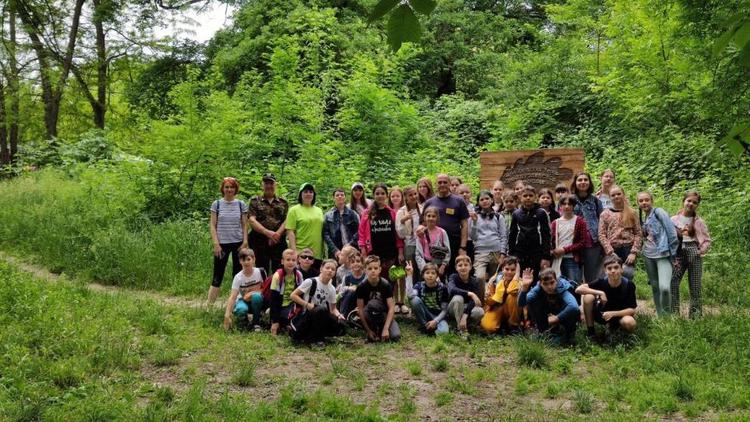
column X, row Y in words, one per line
column 541, row 168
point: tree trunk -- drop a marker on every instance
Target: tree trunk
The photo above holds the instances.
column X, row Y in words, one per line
column 100, row 108
column 13, row 85
column 4, row 152
column 51, row 95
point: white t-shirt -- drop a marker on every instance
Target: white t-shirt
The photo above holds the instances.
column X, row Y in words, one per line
column 565, row 233
column 325, row 294
column 682, row 223
column 244, row 283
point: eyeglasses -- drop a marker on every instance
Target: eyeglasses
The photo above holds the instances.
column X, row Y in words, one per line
column 306, row 257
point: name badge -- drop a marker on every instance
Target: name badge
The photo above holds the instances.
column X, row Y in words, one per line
column 450, row 211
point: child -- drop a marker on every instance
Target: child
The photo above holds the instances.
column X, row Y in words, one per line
column 560, row 190
column 396, row 198
column 610, row 300
column 283, row 282
column 465, row 302
column 433, row 245
column 424, row 190
column 344, row 268
column 316, row 297
column 510, row 202
column 695, row 244
column 501, row 307
column 407, row 219
column 455, row 183
column 620, row 231
column 518, row 187
column 529, row 239
column 347, row 289
column 570, row 236
column 547, row 203
column 497, row 195
column 246, row 294
column 659, row 251
column 487, row 230
column 429, row 301
column 552, row 306
column 358, row 202
column 375, row 305
column 305, row 264
column 608, row 182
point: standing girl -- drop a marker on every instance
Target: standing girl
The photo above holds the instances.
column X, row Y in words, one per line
column 433, row 245
column 659, row 250
column 487, row 230
column 497, row 193
column 695, row 244
column 590, row 208
column 377, row 231
column 358, row 202
column 407, row 219
column 396, row 198
column 570, row 236
column 424, row 189
column 608, row 181
column 620, row 231
column 547, row 202
column 228, row 232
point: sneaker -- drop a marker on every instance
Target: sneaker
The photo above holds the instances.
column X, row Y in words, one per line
column 257, row 328
column 353, row 319
column 405, row 310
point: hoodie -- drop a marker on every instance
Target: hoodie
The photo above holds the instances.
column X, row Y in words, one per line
column 568, row 307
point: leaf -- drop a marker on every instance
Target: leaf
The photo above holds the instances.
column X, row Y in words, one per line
column 742, row 35
column 744, row 57
column 380, row 10
column 737, row 138
column 403, row 26
column 424, row 7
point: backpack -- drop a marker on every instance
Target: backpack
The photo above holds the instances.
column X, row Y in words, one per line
column 265, row 288
column 218, row 207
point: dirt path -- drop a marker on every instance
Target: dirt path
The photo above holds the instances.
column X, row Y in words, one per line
column 44, row 274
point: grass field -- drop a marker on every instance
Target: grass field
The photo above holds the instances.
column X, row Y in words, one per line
column 70, row 353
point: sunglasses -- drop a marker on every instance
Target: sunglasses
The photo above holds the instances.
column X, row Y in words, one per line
column 306, row 257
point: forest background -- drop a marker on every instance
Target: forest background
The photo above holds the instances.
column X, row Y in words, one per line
column 113, row 140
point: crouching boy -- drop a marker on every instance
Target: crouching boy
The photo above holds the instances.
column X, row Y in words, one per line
column 246, row 298
column 552, row 307
column 429, row 300
column 465, row 303
column 609, row 300
column 502, row 312
column 317, row 316
column 375, row 305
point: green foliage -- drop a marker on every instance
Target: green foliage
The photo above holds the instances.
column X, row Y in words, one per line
column 532, row 353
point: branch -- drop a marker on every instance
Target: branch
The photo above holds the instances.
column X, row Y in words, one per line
column 179, row 5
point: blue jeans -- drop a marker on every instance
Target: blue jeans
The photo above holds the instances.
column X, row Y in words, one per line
column 423, row 315
column 241, row 308
column 570, row 270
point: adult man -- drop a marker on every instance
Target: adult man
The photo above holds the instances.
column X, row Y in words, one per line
column 340, row 226
column 266, row 215
column 609, row 300
column 454, row 218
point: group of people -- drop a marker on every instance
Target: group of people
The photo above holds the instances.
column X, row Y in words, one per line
column 516, row 258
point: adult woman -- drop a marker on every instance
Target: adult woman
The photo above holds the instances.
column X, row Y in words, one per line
column 304, row 224
column 377, row 231
column 424, row 189
column 228, row 232
column 590, row 208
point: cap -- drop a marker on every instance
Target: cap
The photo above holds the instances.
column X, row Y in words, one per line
column 269, row 176
column 306, row 185
column 358, row 185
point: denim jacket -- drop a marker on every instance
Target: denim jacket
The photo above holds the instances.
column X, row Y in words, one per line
column 660, row 227
column 590, row 209
column 332, row 229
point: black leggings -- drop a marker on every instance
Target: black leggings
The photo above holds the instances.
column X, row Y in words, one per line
column 220, row 262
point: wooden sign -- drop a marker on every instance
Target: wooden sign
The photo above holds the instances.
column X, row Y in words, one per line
column 541, row 168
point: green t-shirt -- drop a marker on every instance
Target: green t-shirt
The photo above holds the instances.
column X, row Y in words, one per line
column 307, row 223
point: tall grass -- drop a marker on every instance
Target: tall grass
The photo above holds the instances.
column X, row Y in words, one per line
column 92, row 225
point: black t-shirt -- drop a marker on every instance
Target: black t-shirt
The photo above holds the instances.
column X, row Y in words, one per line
column 310, row 273
column 367, row 291
column 618, row 298
column 383, row 234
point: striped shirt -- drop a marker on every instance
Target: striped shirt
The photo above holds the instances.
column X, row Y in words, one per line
column 229, row 220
